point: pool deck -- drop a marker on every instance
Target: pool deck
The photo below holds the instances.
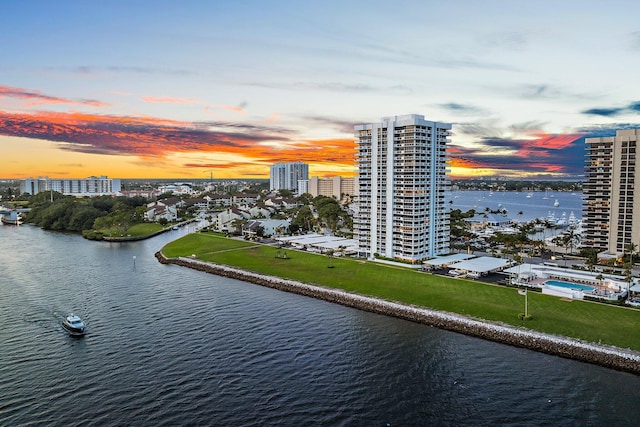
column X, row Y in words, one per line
column 599, row 291
column 570, row 285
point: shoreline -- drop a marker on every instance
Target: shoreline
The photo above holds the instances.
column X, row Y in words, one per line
column 146, row 236
column 570, row 348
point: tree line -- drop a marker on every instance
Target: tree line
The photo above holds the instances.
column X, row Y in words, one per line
column 55, row 211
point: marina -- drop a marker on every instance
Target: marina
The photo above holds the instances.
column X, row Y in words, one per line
column 520, row 206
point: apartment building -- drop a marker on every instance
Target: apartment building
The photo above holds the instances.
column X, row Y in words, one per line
column 33, row 186
column 611, row 192
column 336, row 186
column 402, row 178
column 91, row 186
column 285, row 176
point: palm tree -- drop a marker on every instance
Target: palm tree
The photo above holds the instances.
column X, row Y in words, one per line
column 631, row 249
column 538, row 247
column 557, row 241
column 591, row 258
column 237, row 225
column 330, row 256
column 569, row 240
column 522, row 239
column 628, row 276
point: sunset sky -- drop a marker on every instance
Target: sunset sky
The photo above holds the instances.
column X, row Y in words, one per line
column 138, row 89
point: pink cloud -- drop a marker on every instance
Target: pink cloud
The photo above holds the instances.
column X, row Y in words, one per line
column 37, row 98
column 235, row 109
column 170, row 100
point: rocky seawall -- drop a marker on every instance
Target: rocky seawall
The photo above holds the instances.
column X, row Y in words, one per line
column 607, row 356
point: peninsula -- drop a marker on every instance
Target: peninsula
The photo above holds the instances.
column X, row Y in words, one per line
column 573, row 329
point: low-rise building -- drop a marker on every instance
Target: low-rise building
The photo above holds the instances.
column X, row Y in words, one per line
column 177, row 188
column 337, row 187
column 280, row 202
column 165, row 208
column 228, row 220
column 270, row 227
column 147, row 194
column 221, row 200
column 245, row 199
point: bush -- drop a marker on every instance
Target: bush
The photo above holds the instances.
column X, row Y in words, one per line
column 92, row 235
column 619, row 301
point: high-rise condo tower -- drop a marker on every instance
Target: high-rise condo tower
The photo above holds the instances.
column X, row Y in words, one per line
column 285, row 176
column 612, row 192
column 402, row 178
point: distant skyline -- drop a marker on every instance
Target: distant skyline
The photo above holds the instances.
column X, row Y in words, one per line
column 188, row 89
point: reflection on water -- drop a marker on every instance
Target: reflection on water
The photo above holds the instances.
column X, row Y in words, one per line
column 172, row 346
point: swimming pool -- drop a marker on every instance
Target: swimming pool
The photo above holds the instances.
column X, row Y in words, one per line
column 570, row 285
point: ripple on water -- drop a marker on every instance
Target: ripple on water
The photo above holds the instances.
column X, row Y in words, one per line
column 172, row 346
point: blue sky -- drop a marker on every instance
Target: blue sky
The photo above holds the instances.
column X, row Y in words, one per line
column 141, row 88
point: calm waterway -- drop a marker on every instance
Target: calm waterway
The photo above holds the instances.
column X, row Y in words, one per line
column 172, row 346
column 537, row 204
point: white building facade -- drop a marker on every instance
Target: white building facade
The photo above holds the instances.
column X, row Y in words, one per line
column 402, row 179
column 303, row 187
column 91, row 186
column 33, row 186
column 285, row 176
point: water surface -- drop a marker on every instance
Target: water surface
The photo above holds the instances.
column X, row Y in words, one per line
column 171, row 346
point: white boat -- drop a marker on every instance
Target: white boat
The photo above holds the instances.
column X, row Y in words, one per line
column 562, row 222
column 10, row 221
column 12, row 218
column 74, row 325
column 556, row 203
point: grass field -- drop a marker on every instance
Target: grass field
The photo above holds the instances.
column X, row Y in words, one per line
column 136, row 230
column 144, row 229
column 594, row 322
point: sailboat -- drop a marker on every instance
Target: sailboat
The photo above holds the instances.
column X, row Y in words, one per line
column 556, row 203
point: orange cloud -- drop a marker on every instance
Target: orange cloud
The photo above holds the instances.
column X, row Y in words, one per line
column 545, row 154
column 147, row 137
column 221, row 165
column 457, row 162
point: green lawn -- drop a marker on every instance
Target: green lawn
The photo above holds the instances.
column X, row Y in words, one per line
column 144, row 229
column 579, row 319
column 136, row 230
